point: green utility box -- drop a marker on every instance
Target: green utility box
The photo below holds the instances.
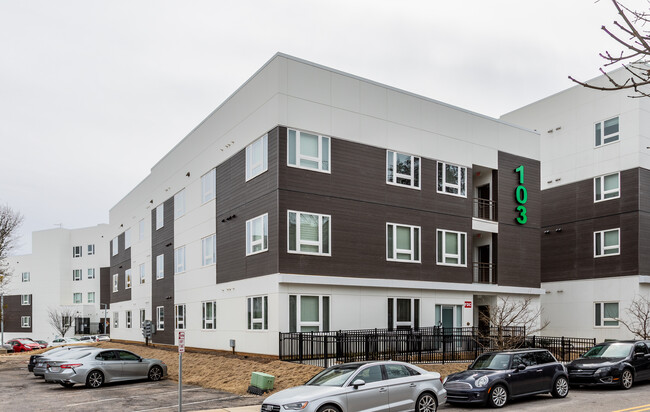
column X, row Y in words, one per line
column 262, row 381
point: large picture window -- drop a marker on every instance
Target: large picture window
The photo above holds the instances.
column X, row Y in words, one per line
column 309, row 313
column 452, row 247
column 607, row 187
column 607, row 243
column 209, row 250
column 606, row 132
column 209, row 315
column 309, row 233
column 308, row 151
column 208, row 186
column 256, row 157
column 606, row 314
column 402, row 169
column 403, row 313
column 402, row 243
column 258, row 313
column 452, row 179
column 257, row 234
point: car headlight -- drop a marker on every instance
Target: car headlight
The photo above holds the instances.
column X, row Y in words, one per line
column 296, row 406
column 603, row 371
column 481, row 382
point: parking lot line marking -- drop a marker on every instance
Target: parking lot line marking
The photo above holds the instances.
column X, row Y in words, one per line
column 636, row 408
column 188, row 403
column 132, row 397
column 97, row 401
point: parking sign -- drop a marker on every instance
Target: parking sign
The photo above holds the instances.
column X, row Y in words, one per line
column 181, row 342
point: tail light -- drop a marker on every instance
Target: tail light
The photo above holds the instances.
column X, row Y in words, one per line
column 71, row 365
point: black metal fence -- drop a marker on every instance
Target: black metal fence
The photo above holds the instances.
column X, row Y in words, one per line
column 425, row 345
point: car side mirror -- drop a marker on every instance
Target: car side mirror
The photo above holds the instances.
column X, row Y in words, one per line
column 521, row 367
column 357, row 383
column 140, row 360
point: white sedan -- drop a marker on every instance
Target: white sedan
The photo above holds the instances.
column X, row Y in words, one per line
column 64, row 341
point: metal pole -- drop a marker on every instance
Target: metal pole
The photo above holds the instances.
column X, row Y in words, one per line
column 2, row 318
column 180, row 381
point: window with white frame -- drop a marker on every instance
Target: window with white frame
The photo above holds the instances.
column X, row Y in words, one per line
column 127, row 238
column 179, row 260
column 114, row 244
column 258, row 313
column 402, row 169
column 91, row 250
column 452, row 179
column 160, row 216
column 449, row 316
column 91, row 273
column 76, row 251
column 77, row 275
column 309, row 233
column 452, row 248
column 209, row 250
column 208, row 186
column 25, row 299
column 76, row 298
column 128, row 318
column 179, row 204
column 309, row 313
column 308, row 151
column 606, row 132
column 115, row 280
column 116, row 318
column 91, row 297
column 402, row 243
column 25, row 321
column 141, row 229
column 209, row 315
column 403, row 313
column 142, row 275
column 257, row 235
column 606, row 314
column 25, row 276
column 160, row 267
column 607, row 243
column 160, row 318
column 143, row 317
column 180, row 316
column 256, row 157
column 607, row 187
column 127, row 279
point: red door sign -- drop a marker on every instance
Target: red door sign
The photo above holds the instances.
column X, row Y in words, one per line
column 468, row 304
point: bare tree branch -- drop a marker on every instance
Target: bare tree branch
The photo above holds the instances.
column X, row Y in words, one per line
column 60, row 319
column 10, row 221
column 510, row 321
column 639, row 317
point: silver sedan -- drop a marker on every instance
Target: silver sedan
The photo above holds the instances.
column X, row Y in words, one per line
column 364, row 386
column 97, row 366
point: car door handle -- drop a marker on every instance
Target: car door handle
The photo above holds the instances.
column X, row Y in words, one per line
column 382, row 390
column 540, row 370
column 412, row 385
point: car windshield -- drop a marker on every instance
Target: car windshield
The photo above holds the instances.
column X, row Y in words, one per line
column 334, row 376
column 616, row 350
column 491, row 361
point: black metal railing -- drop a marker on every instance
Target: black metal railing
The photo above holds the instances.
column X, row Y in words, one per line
column 485, row 273
column 563, row 348
column 485, row 209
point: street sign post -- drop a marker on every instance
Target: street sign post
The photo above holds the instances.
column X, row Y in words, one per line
column 181, row 349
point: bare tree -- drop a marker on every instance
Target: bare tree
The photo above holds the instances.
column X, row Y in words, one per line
column 631, row 33
column 510, row 321
column 10, row 221
column 61, row 319
column 639, row 317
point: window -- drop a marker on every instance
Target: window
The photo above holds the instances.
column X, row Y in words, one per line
column 308, row 151
column 115, row 280
column 258, row 313
column 180, row 316
column 141, row 229
column 606, row 314
column 25, row 299
column 403, row 313
column 209, row 315
column 128, row 319
column 256, row 157
column 116, row 317
column 91, row 297
column 209, row 250
column 91, row 273
column 91, row 250
column 143, row 317
column 309, row 233
column 76, row 251
column 370, row 375
column 114, row 244
column 449, row 316
column 607, row 243
column 397, row 371
column 607, row 187
column 77, row 275
column 160, row 266
column 309, row 313
column 127, row 279
column 208, row 186
column 26, row 276
column 179, row 204
column 142, row 275
column 25, row 321
column 76, row 298
column 160, row 316
column 160, row 216
column 179, row 260
column 451, row 248
column 402, row 243
column 402, row 169
column 257, row 235
column 127, row 238
column 607, row 132
column 452, row 179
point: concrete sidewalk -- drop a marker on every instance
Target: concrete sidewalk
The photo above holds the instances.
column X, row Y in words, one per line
column 254, row 408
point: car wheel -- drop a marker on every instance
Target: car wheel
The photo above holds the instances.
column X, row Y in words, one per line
column 155, row 373
column 627, row 379
column 498, row 396
column 329, row 408
column 66, row 385
column 426, row 403
column 95, row 379
column 560, row 387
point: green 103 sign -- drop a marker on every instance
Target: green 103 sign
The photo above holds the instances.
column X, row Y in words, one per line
column 521, row 195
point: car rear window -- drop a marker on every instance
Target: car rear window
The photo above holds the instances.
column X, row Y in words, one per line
column 544, row 357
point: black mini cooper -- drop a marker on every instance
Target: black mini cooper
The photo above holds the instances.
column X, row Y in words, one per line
column 496, row 377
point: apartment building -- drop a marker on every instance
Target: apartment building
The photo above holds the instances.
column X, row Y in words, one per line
column 315, row 200
column 595, row 181
column 62, row 272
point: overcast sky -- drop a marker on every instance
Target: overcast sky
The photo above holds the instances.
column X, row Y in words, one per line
column 94, row 92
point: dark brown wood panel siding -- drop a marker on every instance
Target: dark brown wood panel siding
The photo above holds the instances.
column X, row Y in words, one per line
column 162, row 290
column 14, row 310
column 105, row 287
column 120, row 263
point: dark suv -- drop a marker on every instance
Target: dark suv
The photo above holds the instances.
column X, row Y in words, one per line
column 496, row 377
